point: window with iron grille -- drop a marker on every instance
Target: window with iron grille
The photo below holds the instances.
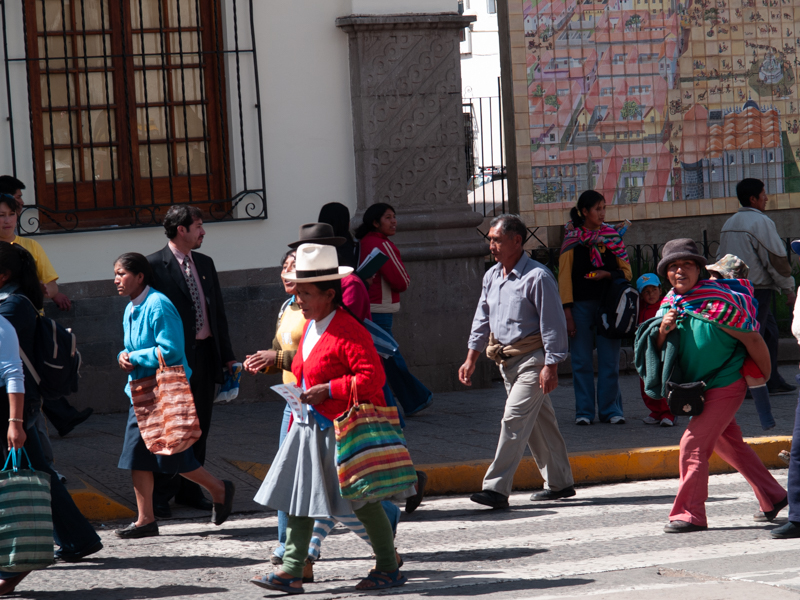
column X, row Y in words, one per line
column 137, row 105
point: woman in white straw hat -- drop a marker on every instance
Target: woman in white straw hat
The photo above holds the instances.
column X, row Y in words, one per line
column 303, row 481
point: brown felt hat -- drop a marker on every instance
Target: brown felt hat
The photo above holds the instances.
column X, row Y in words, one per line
column 678, row 250
column 317, row 233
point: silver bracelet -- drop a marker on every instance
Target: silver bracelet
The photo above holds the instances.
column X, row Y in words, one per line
column 12, row 420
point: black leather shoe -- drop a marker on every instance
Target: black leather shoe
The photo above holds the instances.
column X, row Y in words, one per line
column 786, row 531
column 769, row 516
column 133, row 532
column 781, row 388
column 683, row 527
column 414, row 501
column 161, row 510
column 551, row 495
column 222, row 511
column 199, row 503
column 490, row 498
column 82, row 416
column 67, row 556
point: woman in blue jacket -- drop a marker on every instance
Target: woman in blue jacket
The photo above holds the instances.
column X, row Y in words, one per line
column 152, row 323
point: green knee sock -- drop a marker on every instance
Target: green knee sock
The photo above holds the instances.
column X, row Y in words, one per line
column 379, row 530
column 298, row 535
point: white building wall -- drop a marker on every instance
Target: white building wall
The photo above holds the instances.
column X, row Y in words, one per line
column 480, row 69
column 307, row 133
column 480, row 73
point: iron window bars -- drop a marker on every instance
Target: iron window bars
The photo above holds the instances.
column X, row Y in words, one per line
column 130, row 104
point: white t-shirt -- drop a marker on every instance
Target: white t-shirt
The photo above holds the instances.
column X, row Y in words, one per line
column 314, row 332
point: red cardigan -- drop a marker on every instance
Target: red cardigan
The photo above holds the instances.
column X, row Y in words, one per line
column 345, row 351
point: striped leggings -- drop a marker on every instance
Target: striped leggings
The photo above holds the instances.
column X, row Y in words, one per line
column 322, row 527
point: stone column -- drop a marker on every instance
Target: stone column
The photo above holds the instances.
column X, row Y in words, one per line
column 405, row 76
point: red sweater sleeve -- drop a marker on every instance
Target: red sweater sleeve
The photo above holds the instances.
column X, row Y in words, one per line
column 357, row 351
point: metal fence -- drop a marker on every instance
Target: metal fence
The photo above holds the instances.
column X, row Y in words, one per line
column 644, row 259
column 485, row 155
column 135, row 106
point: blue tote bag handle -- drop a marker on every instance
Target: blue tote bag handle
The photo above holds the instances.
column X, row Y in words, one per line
column 15, row 456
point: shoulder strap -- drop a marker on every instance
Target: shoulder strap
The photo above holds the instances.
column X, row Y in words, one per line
column 350, row 312
column 22, row 354
column 28, row 364
column 711, row 376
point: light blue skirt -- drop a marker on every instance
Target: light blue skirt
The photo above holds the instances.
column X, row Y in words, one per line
column 302, row 480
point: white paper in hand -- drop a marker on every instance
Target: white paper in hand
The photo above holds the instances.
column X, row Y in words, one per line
column 291, row 393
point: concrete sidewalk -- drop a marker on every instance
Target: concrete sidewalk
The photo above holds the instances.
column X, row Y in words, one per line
column 454, row 440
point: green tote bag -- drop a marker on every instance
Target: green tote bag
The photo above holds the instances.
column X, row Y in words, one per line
column 26, row 521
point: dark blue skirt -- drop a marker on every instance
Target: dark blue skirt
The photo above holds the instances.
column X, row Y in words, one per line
column 136, row 456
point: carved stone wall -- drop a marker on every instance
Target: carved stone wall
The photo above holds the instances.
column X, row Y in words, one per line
column 405, row 77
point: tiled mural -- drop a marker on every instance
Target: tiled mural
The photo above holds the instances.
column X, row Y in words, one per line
column 657, row 101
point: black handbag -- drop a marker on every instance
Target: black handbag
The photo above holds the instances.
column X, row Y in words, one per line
column 688, row 399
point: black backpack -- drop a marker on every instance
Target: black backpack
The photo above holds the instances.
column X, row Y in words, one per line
column 56, row 359
column 618, row 312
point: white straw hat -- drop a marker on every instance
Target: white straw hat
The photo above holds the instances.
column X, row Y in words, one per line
column 315, row 262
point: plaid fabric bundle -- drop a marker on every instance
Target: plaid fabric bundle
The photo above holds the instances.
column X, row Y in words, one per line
column 371, row 455
column 606, row 236
column 728, row 303
column 164, row 408
column 26, row 521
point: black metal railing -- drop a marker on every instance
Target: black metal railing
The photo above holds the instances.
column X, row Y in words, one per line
column 644, row 259
column 138, row 109
column 484, row 154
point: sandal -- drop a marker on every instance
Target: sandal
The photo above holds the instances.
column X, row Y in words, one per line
column 279, row 584
column 381, row 580
column 308, row 571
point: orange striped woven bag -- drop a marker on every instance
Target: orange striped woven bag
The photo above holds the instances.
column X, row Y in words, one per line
column 371, row 454
column 164, row 408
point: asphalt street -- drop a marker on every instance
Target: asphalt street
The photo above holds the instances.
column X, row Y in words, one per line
column 607, row 542
column 461, row 426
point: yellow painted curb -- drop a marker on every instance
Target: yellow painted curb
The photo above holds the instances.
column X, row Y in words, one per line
column 629, row 464
column 96, row 506
column 257, row 470
column 608, row 466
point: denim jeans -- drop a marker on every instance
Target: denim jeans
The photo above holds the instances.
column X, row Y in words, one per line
column 609, row 399
column 794, row 467
column 71, row 530
column 408, row 390
column 283, row 518
column 769, row 331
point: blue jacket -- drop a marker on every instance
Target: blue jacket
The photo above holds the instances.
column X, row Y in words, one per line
column 153, row 324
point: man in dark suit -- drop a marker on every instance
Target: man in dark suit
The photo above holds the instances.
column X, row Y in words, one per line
column 189, row 279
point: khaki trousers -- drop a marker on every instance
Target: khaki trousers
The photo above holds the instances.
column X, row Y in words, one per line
column 529, row 420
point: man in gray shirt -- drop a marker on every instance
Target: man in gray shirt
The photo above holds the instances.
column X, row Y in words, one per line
column 520, row 319
column 752, row 236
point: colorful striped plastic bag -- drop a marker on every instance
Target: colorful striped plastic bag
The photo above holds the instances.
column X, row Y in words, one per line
column 371, row 454
column 26, row 520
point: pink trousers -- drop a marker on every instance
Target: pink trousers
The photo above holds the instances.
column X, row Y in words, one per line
column 716, row 430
